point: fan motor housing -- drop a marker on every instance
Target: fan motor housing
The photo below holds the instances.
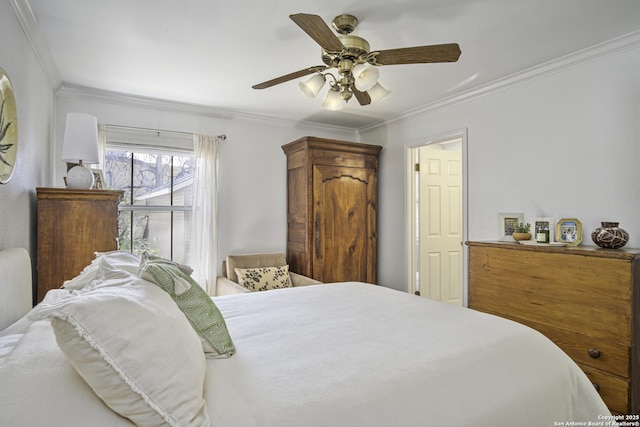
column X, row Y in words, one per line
column 354, row 48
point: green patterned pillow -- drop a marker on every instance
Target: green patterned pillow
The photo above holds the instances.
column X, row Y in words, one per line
column 264, row 278
column 197, row 306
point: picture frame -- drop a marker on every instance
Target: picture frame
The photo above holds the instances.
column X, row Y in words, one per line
column 507, row 224
column 569, row 231
column 98, row 179
column 543, row 223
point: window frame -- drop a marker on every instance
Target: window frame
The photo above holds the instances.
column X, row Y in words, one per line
column 141, row 141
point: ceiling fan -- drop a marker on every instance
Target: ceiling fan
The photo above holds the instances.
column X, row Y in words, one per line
column 356, row 64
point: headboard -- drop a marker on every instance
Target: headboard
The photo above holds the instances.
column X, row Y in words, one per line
column 15, row 285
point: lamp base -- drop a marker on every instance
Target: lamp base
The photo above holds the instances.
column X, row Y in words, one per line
column 80, row 176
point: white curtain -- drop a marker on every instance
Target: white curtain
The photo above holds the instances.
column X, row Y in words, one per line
column 102, row 144
column 204, row 251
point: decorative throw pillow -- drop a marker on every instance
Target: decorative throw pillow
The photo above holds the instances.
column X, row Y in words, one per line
column 264, row 278
column 136, row 350
column 194, row 302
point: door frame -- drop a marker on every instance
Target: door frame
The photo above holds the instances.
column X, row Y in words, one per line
column 410, row 211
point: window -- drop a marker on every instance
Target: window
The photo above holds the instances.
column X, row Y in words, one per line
column 155, row 211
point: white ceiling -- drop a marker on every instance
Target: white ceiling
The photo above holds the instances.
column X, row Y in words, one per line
column 210, row 53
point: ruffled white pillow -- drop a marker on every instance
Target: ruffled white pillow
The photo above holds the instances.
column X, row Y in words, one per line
column 136, row 350
column 120, row 260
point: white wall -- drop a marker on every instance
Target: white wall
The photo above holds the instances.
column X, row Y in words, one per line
column 566, row 144
column 252, row 186
column 563, row 145
column 34, row 102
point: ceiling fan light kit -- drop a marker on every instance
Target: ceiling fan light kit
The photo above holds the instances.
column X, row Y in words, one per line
column 356, row 65
column 365, row 76
column 377, row 92
column 334, row 100
column 312, row 87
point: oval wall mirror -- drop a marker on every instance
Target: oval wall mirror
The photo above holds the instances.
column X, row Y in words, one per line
column 8, row 129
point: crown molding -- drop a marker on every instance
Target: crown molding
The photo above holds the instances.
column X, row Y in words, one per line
column 118, row 98
column 26, row 18
column 593, row 53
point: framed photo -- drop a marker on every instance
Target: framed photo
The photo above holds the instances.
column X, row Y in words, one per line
column 507, row 223
column 98, row 178
column 569, row 231
column 544, row 227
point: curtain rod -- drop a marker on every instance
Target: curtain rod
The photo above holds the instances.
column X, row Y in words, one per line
column 222, row 137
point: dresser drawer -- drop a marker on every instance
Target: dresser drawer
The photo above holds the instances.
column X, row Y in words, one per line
column 588, row 295
column 589, row 351
column 614, row 391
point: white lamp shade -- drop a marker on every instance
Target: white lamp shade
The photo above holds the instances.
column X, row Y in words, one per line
column 377, row 92
column 365, row 76
column 80, row 139
column 334, row 101
column 312, row 86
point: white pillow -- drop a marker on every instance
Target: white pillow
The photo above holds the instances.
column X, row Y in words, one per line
column 108, row 275
column 136, row 350
column 84, row 278
column 121, row 260
column 117, row 259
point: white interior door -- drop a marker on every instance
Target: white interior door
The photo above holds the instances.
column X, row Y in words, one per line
column 439, row 223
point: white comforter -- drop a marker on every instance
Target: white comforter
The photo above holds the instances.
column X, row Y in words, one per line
column 346, row 354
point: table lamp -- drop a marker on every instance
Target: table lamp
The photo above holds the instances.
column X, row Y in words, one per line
column 80, row 147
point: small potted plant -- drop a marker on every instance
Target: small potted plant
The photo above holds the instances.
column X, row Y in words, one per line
column 522, row 232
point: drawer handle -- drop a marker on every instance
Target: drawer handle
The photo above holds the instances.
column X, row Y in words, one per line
column 596, row 386
column 594, row 353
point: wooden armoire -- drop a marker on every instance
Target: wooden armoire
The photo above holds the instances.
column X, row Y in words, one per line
column 331, row 209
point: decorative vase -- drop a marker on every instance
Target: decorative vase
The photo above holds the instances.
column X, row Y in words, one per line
column 521, row 236
column 609, row 236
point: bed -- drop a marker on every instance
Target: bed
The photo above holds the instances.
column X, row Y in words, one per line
column 344, row 354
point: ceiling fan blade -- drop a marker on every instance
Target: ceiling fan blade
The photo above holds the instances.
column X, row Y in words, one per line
column 416, row 55
column 318, row 30
column 362, row 97
column 290, row 76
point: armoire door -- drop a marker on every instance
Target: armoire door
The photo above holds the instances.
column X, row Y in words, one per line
column 344, row 218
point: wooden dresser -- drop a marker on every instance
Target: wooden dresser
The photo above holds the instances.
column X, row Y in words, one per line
column 583, row 298
column 331, row 209
column 72, row 225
